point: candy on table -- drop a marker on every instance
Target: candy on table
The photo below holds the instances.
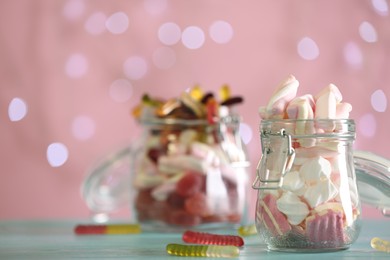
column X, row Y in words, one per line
column 202, row 250
column 247, row 230
column 108, row 229
column 380, row 244
column 204, row 238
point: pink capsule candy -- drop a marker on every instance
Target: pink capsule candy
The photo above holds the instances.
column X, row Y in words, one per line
column 211, row 239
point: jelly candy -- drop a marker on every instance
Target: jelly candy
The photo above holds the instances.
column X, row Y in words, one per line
column 197, row 205
column 380, row 244
column 202, row 250
column 189, row 184
column 211, row 239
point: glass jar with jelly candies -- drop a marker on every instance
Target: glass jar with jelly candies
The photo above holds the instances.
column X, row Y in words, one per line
column 189, row 169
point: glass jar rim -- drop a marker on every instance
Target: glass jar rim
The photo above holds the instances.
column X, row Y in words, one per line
column 339, row 128
column 155, row 121
column 347, row 120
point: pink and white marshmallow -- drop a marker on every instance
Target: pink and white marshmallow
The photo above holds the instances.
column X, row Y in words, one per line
column 276, row 107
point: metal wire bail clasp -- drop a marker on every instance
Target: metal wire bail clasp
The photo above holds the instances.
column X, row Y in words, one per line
column 276, row 160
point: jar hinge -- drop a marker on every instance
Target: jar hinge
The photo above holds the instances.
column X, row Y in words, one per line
column 265, row 179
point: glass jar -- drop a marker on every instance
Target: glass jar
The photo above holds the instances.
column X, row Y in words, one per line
column 182, row 173
column 307, row 189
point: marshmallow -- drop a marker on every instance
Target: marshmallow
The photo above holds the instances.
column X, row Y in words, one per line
column 204, row 152
column 285, row 92
column 274, row 220
column 335, row 206
column 187, row 136
column 179, row 163
column 291, row 206
column 331, row 88
column 292, row 181
column 343, row 110
column 301, row 107
column 326, row 106
column 326, row 229
column 147, row 175
column 161, row 192
column 319, row 193
column 315, row 169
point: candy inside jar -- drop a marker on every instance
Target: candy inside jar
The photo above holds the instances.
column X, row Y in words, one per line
column 190, row 167
column 308, row 198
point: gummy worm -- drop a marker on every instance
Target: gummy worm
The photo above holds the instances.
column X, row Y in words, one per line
column 211, row 239
column 380, row 244
column 203, row 250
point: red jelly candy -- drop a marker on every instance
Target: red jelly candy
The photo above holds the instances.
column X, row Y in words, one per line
column 143, row 200
column 197, row 205
column 175, row 200
column 189, row 184
column 212, row 239
column 159, row 210
column 183, row 218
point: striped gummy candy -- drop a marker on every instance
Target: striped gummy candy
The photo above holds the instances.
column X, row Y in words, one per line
column 202, row 250
column 211, row 239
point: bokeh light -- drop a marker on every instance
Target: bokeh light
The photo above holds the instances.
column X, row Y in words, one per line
column 308, row 49
column 353, row 55
column 367, row 125
column 121, row 90
column 381, row 7
column 193, row 37
column 96, row 23
column 164, row 58
column 246, row 133
column 135, row 67
column 117, row 23
column 169, row 33
column 368, row 32
column 76, row 65
column 155, row 7
column 83, row 127
column 73, row 9
column 57, row 154
column 379, row 101
column 221, row 32
column 17, row 109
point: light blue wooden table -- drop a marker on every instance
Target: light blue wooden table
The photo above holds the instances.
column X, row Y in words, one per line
column 55, row 240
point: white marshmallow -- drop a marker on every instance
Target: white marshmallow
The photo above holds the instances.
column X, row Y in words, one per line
column 147, row 175
column 321, row 192
column 326, row 106
column 179, row 163
column 292, row 181
column 285, row 92
column 333, row 89
column 162, row 191
column 343, row 110
column 290, row 205
column 188, row 136
column 204, row 152
column 315, row 169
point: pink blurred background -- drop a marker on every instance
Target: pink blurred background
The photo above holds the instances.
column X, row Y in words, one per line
column 71, row 70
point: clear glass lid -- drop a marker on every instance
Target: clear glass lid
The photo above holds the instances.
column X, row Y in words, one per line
column 373, row 179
